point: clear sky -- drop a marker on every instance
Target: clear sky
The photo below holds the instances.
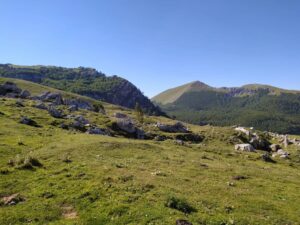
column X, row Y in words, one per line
column 158, row 44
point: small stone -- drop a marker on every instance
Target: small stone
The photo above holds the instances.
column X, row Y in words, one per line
column 183, row 222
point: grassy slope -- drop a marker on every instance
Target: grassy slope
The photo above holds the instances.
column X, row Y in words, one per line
column 36, row 89
column 111, row 181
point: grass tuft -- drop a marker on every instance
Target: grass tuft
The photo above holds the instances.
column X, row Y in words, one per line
column 179, row 204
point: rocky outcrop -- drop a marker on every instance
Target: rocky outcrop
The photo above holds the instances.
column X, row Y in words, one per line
column 10, row 89
column 55, row 98
column 175, row 128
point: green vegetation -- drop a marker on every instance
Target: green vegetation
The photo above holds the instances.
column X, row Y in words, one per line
column 263, row 107
column 78, row 178
column 139, row 113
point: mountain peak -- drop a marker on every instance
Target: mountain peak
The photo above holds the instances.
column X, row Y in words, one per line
column 171, row 95
column 199, row 84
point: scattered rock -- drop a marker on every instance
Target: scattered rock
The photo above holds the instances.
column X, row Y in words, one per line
column 47, row 195
column 239, row 177
column 2, row 91
column 244, row 147
column 73, row 108
column 195, row 138
column 19, row 103
column 266, row 157
column 126, row 125
column 230, row 184
column 79, row 103
column 12, row 199
column 98, row 131
column 80, row 123
column 281, row 153
column 54, row 112
column 140, row 134
column 120, row 115
column 274, row 147
column 286, row 141
column 179, row 142
column 81, row 120
column 25, row 94
column 295, row 141
column 78, row 126
column 260, row 143
column 40, row 105
column 176, row 128
column 64, row 126
column 27, row 121
column 160, row 138
column 158, row 173
column 243, row 130
column 10, row 88
column 183, row 222
column 55, row 98
column 67, row 158
column 203, row 165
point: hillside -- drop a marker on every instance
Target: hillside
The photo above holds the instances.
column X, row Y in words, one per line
column 84, row 81
column 90, row 167
column 261, row 106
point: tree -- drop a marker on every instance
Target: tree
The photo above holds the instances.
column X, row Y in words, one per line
column 139, row 112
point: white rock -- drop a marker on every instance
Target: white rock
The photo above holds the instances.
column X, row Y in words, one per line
column 244, row 147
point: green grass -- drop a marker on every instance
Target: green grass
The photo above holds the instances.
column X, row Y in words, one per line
column 114, row 180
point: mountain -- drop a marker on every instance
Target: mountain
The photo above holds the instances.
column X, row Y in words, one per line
column 84, row 81
column 262, row 106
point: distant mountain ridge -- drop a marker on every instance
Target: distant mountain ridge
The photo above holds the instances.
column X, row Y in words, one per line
column 262, row 106
column 84, row 81
column 171, row 95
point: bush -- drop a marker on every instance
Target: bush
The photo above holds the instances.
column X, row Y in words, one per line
column 180, row 204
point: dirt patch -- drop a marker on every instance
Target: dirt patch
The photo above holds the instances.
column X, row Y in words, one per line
column 68, row 212
column 12, row 199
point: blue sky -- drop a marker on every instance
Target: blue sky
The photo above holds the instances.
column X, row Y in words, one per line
column 159, row 44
